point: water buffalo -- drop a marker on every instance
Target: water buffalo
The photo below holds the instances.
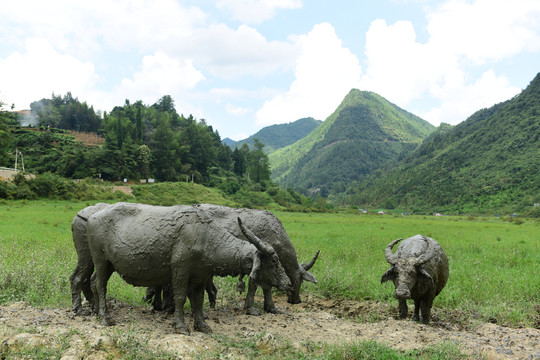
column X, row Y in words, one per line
column 266, row 226
column 178, row 245
column 80, row 277
column 419, row 272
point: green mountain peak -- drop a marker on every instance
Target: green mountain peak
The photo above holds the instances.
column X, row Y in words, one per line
column 365, row 132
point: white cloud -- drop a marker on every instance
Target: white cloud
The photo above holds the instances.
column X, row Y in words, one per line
column 229, row 53
column 39, row 71
column 85, row 27
column 256, row 11
column 236, row 110
column 460, row 100
column 325, row 72
column 485, row 30
column 160, row 74
column 453, row 68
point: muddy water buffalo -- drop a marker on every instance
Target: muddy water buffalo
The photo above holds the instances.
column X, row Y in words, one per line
column 80, row 277
column 419, row 272
column 266, row 226
column 178, row 245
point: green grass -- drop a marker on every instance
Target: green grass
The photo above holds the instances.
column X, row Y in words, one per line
column 494, row 264
column 252, row 348
column 37, row 254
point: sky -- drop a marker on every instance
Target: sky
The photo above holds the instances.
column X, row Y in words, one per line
column 242, row 65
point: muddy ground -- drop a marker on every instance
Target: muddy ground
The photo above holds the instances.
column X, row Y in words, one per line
column 300, row 326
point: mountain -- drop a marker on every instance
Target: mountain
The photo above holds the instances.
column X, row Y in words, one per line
column 229, row 142
column 277, row 136
column 489, row 162
column 364, row 133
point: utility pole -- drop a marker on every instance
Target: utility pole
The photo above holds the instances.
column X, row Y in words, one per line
column 17, row 153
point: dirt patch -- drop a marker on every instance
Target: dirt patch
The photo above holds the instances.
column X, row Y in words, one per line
column 314, row 321
column 124, row 189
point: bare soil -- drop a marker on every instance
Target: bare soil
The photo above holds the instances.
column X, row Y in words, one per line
column 315, row 321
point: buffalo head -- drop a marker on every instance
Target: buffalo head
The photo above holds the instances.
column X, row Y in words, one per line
column 267, row 268
column 406, row 271
column 302, row 274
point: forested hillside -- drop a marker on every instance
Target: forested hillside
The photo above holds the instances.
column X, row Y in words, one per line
column 363, row 134
column 488, row 163
column 278, row 136
column 134, row 141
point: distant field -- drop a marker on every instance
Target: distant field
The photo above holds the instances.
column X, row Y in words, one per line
column 494, row 264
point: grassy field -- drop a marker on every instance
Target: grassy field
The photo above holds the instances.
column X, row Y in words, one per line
column 494, row 264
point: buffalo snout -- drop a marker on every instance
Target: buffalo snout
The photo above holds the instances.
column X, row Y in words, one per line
column 402, row 292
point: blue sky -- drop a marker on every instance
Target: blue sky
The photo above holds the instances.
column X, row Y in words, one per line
column 245, row 64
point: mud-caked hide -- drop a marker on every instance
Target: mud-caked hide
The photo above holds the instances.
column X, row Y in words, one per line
column 267, row 227
column 178, row 245
column 80, row 277
column 419, row 271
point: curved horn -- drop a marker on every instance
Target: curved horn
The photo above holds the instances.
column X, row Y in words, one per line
column 428, row 253
column 390, row 257
column 259, row 244
column 309, row 265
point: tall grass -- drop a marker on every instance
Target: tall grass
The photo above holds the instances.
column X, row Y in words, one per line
column 494, row 265
column 37, row 254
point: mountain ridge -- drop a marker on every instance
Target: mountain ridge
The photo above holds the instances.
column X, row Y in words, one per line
column 278, row 136
column 488, row 162
column 362, row 134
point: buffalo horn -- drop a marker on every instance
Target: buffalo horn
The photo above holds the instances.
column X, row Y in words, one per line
column 252, row 238
column 390, row 257
column 428, row 253
column 309, row 265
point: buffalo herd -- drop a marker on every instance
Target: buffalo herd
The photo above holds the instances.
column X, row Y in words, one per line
column 175, row 251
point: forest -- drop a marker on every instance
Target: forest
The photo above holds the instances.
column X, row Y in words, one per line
column 138, row 142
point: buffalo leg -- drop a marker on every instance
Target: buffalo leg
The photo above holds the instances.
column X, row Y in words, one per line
column 425, row 307
column 403, row 310
column 80, row 281
column 197, row 298
column 249, row 304
column 157, row 303
column 417, row 305
column 168, row 299
column 150, row 293
column 211, row 290
column 103, row 272
column 180, row 288
column 269, row 305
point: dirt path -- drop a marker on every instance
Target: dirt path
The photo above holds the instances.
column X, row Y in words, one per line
column 314, row 321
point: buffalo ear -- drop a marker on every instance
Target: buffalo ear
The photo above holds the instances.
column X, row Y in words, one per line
column 307, row 276
column 389, row 275
column 424, row 274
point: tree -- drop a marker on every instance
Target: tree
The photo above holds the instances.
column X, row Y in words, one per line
column 163, row 151
column 4, row 134
column 139, row 123
column 240, row 157
column 258, row 163
column 143, row 160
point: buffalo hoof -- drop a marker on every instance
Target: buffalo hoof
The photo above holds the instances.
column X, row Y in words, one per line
column 273, row 310
column 181, row 329
column 107, row 321
column 252, row 311
column 82, row 312
column 202, row 327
